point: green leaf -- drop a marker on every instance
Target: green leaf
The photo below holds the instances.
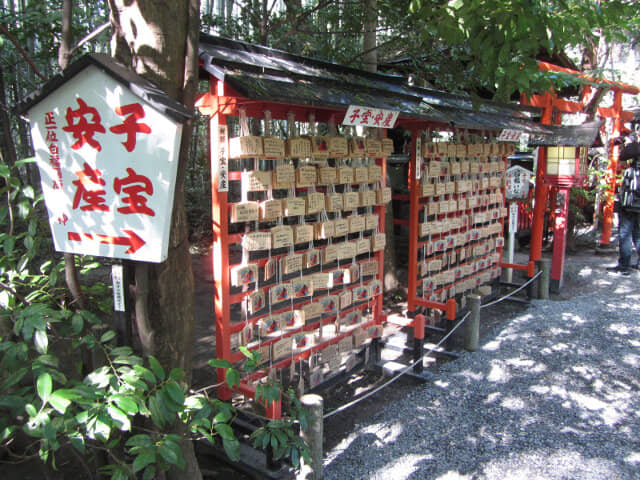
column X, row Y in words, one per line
column 145, row 373
column 107, row 336
column 126, row 404
column 119, row 417
column 295, row 457
column 77, row 323
column 44, row 386
column 156, row 367
column 59, row 401
column 219, row 363
column 176, row 374
column 41, row 341
column 149, row 473
column 140, row 440
column 144, row 459
column 224, row 430
column 232, row 378
column 170, row 452
column 175, row 392
column 232, row 448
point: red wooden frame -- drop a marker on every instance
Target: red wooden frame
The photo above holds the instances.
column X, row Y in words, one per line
column 221, row 101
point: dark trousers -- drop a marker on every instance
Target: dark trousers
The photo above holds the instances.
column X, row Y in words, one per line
column 629, row 236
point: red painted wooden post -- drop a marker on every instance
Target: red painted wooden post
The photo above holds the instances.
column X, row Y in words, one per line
column 414, row 206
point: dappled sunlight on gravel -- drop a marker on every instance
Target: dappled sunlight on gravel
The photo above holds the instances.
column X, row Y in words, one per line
column 552, row 394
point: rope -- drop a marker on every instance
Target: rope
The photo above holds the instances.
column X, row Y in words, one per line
column 512, row 293
column 377, row 389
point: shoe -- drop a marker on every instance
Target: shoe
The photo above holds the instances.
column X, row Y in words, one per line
column 617, row 268
column 625, row 273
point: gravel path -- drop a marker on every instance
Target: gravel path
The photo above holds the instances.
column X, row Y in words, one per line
column 552, row 393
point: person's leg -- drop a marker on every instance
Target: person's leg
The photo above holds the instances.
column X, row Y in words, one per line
column 635, row 236
column 625, row 238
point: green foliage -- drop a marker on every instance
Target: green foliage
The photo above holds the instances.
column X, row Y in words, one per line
column 126, row 406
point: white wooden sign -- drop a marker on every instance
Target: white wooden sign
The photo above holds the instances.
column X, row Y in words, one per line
column 108, row 162
column 370, row 117
column 508, row 135
column 517, row 182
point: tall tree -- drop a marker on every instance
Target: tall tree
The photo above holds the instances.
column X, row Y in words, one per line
column 159, row 41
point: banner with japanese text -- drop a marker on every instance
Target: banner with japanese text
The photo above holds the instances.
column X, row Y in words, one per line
column 108, row 163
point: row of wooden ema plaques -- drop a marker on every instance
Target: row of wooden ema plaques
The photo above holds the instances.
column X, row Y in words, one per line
column 308, row 288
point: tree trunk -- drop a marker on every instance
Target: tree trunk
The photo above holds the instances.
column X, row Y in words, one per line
column 159, row 40
column 369, row 40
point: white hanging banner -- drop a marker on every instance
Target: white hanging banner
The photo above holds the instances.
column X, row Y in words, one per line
column 508, row 135
column 370, row 117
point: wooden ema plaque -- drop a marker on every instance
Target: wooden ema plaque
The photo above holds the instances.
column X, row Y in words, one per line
column 363, row 245
column 245, row 147
column 322, row 280
column 244, row 212
column 350, row 200
column 357, row 147
column 302, row 234
column 369, row 268
column 327, row 176
column 256, row 180
column 324, row 230
column 284, row 176
column 360, row 175
column 291, row 263
column 244, row 274
column 330, row 254
column 329, row 304
column 301, row 287
column 378, row 241
column 255, row 241
column 311, row 258
column 338, row 147
column 371, row 221
column 345, row 175
column 346, row 250
column 294, row 207
column 320, row 146
column 367, row 198
column 256, row 301
column 373, row 148
column 428, row 190
column 387, row 147
column 281, row 348
column 341, row 227
column 306, row 176
column 375, row 173
column 270, row 210
column 279, row 293
column 312, row 310
column 383, row 196
column 333, row 202
column 314, row 203
column 356, row 223
column 282, row 236
column 273, row 148
column 298, row 148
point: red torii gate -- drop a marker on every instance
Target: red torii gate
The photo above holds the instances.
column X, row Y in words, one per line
column 553, row 107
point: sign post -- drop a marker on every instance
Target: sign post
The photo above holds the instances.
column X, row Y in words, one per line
column 517, row 188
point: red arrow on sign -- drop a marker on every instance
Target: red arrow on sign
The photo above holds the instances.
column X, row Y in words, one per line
column 132, row 240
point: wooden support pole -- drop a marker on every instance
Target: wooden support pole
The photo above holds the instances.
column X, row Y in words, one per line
column 545, row 278
column 472, row 328
column 313, row 405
